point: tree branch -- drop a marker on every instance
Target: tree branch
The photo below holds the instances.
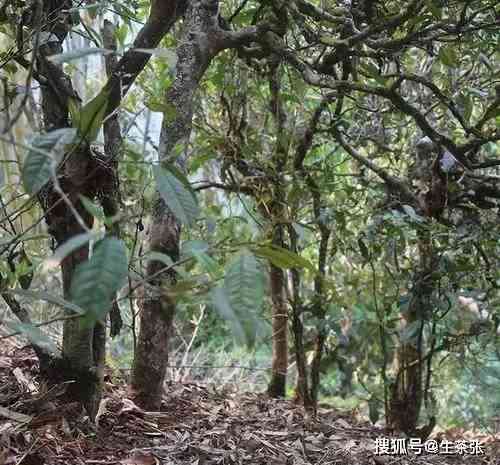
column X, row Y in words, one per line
column 393, row 182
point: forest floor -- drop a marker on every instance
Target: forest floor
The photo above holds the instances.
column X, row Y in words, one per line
column 197, row 425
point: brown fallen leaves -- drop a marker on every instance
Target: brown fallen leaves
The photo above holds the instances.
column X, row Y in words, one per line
column 197, row 425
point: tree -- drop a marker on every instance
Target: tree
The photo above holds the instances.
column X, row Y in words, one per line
column 358, row 142
column 83, row 173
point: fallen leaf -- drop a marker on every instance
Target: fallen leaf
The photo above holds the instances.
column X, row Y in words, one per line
column 139, row 458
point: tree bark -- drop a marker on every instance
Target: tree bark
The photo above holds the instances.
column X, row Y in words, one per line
column 406, row 394
column 279, row 365
column 113, row 145
column 276, row 213
column 194, row 54
column 319, row 298
column 78, row 338
column 302, row 394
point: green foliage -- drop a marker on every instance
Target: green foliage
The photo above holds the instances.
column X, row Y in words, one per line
column 382, row 87
column 240, row 297
column 96, row 281
column 282, row 258
column 70, row 307
column 177, row 194
column 44, row 154
column 67, row 248
column 88, row 119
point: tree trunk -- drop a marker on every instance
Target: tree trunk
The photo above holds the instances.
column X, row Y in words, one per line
column 406, row 392
column 302, row 394
column 276, row 213
column 194, row 54
column 157, row 312
column 319, row 297
column 78, row 338
column 277, row 384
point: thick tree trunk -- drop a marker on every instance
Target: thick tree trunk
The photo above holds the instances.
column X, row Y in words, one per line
column 194, row 54
column 277, row 384
column 157, row 312
column 78, row 338
column 406, row 394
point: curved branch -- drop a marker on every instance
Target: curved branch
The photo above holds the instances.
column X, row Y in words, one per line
column 393, row 182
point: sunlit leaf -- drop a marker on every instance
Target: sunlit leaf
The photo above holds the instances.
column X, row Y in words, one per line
column 282, row 258
column 448, row 56
column 92, row 115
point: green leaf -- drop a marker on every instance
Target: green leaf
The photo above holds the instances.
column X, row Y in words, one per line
column 92, row 115
column 67, row 248
column 73, row 55
column 282, row 258
column 44, row 154
column 169, row 112
column 221, row 304
column 92, row 208
column 244, row 286
column 448, row 56
column 177, row 195
column 466, row 105
column 96, row 281
column 435, row 10
column 121, row 33
column 207, row 263
column 372, row 71
column 74, row 108
column 197, row 162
